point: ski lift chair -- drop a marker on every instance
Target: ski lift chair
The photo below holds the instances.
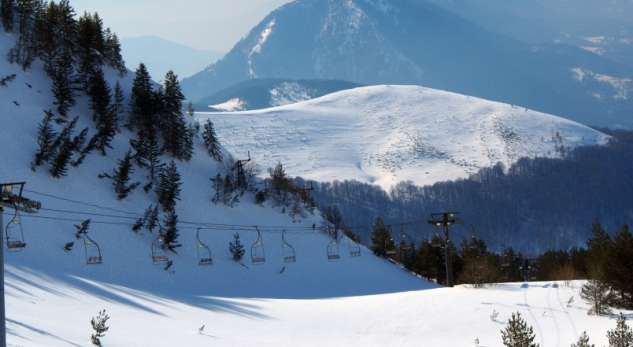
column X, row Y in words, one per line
column 354, row 249
column 203, row 251
column 158, row 253
column 333, row 250
column 92, row 251
column 390, row 252
column 288, row 252
column 258, row 253
column 14, row 233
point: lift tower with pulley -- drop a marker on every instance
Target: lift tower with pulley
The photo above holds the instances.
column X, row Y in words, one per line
column 445, row 220
column 11, row 198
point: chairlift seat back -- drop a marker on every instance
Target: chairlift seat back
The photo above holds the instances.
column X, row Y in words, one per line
column 94, row 260
column 205, row 261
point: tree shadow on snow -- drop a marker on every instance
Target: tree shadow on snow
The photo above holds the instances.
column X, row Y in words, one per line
column 38, row 331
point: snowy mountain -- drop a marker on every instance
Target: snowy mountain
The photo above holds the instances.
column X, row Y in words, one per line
column 161, row 55
column 264, row 93
column 388, row 134
column 45, row 281
column 417, row 42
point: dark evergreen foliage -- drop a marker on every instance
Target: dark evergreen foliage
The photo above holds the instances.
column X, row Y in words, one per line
column 598, row 295
column 168, row 190
column 583, row 341
column 7, row 11
column 121, row 177
column 63, row 89
column 518, row 333
column 177, row 139
column 100, row 327
column 211, row 141
column 622, row 335
column 170, row 232
column 45, row 139
column 381, row 241
column 141, row 100
column 236, row 248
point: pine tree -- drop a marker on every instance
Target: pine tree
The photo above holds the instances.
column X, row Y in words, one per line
column 190, row 110
column 211, row 141
column 583, row 341
column 217, row 184
column 141, row 99
column 121, row 177
column 622, row 335
column 598, row 295
column 100, row 326
column 227, row 190
column 518, row 333
column 62, row 84
column 117, row 108
column 63, row 147
column 45, row 138
column 168, row 189
column 82, row 228
column 382, row 242
column 177, row 140
column 27, row 13
column 90, row 46
column 112, row 52
column 236, row 248
column 103, row 115
column 170, row 233
column 619, row 262
column 6, row 13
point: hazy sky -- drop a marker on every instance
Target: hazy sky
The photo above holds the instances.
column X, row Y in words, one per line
column 204, row 24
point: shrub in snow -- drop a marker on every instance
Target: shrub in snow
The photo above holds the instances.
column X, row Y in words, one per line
column 622, row 335
column 100, row 327
column 518, row 333
column 236, row 248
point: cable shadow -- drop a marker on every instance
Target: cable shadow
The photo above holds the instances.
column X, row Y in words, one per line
column 40, row 332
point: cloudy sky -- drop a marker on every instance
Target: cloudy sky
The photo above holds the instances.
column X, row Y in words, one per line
column 204, row 24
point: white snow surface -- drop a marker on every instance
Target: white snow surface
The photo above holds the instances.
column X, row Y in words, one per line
column 386, row 134
column 51, row 295
column 235, row 104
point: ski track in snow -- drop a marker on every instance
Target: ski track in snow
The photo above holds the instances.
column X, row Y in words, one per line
column 535, row 320
column 568, row 316
column 553, row 313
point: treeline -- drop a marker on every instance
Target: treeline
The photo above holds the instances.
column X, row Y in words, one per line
column 535, row 205
column 606, row 260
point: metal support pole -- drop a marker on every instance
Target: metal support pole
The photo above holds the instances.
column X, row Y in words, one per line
column 3, row 322
column 447, row 255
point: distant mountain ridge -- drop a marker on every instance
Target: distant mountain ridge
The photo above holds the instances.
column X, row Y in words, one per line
column 417, row 42
column 270, row 92
column 161, row 55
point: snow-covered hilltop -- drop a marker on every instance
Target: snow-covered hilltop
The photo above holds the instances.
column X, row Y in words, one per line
column 387, row 134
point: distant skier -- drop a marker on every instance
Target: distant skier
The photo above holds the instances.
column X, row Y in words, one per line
column 169, row 265
column 570, row 301
column 494, row 315
column 476, row 342
column 201, row 329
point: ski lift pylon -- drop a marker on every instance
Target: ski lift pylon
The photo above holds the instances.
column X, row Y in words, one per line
column 203, row 251
column 333, row 247
column 92, row 251
column 258, row 252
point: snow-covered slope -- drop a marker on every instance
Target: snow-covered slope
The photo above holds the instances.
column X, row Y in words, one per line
column 52, row 294
column 436, row 317
column 388, row 134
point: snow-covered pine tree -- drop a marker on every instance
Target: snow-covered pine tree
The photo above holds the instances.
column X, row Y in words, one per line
column 217, row 184
column 121, row 177
column 99, row 326
column 211, row 141
column 45, row 138
column 170, row 233
column 598, row 295
column 168, row 190
column 190, row 111
column 236, row 248
column 622, row 335
column 227, row 190
column 177, row 139
column 7, row 8
column 583, row 341
column 381, row 239
column 518, row 333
